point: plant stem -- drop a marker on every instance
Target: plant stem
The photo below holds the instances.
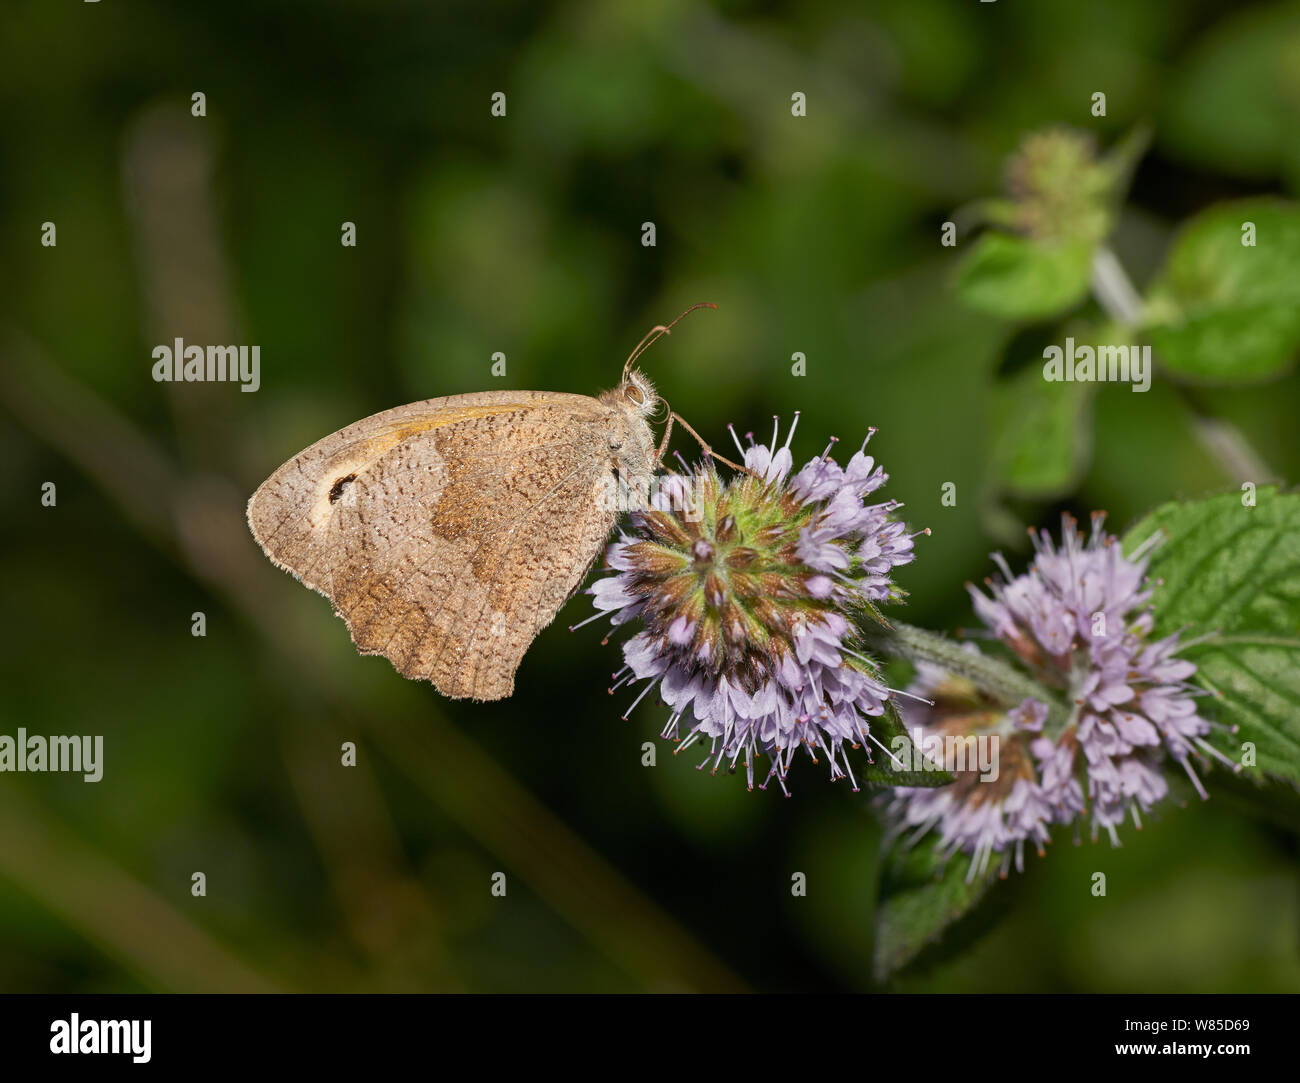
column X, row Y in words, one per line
column 1114, row 290
column 1226, row 443
column 992, row 675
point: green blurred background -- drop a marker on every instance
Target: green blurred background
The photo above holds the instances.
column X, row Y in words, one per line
column 522, row 235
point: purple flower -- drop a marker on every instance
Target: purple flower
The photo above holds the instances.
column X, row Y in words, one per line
column 982, row 813
column 747, row 592
column 1079, row 621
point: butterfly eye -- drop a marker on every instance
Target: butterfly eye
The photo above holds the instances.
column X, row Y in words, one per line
column 635, row 395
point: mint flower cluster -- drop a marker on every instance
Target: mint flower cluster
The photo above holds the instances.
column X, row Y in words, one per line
column 748, row 591
column 1079, row 623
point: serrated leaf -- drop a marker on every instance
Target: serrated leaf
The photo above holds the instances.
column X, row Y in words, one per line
column 1019, row 278
column 1234, row 570
column 1226, row 312
column 1043, row 433
column 1259, row 682
column 927, row 908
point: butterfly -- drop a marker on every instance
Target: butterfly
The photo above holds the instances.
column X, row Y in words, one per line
column 448, row 533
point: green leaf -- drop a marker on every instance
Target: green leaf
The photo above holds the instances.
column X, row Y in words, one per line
column 1235, row 104
column 928, row 910
column 1121, row 161
column 1234, row 570
column 1018, row 278
column 1043, row 436
column 887, row 729
column 1225, row 312
column 1259, row 682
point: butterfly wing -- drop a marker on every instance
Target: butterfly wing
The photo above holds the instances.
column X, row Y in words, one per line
column 447, row 533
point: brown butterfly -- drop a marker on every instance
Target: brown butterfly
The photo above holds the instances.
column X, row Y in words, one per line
column 449, row 532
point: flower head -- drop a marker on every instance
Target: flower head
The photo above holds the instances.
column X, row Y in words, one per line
column 747, row 590
column 1079, row 621
column 983, row 814
column 1061, row 188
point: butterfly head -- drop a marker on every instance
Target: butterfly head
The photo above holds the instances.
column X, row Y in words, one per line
column 636, row 395
column 638, row 392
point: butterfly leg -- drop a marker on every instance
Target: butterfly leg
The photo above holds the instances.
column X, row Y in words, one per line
column 663, row 444
column 708, row 451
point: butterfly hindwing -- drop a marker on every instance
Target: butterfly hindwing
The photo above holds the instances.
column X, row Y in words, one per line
column 447, row 533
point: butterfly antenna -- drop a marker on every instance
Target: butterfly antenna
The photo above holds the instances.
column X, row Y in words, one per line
column 652, row 336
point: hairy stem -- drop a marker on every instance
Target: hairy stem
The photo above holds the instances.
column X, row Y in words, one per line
column 1113, row 289
column 992, row 675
